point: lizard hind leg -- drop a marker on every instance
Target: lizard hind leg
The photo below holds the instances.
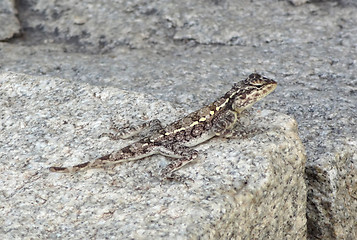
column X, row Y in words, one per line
column 183, row 155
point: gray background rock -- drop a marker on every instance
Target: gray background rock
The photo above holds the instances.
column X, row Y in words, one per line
column 189, row 53
column 10, row 25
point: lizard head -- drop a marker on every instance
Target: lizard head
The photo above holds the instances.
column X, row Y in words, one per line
column 250, row 91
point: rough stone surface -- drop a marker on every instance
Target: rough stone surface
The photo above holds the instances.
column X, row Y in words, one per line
column 188, row 53
column 240, row 189
column 8, row 21
column 332, row 191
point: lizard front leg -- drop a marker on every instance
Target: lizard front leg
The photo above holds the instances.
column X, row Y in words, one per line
column 228, row 125
column 223, row 124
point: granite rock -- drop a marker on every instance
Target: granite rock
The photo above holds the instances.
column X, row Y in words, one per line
column 250, row 188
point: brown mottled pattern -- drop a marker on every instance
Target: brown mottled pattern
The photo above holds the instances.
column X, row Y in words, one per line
column 174, row 140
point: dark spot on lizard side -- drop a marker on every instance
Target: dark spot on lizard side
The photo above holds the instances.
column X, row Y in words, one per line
column 197, row 130
column 208, row 125
column 179, row 136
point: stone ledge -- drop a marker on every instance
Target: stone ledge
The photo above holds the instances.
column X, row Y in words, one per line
column 249, row 188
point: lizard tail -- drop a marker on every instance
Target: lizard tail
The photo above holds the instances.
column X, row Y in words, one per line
column 72, row 169
column 92, row 164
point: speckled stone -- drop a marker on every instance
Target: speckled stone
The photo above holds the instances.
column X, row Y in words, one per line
column 251, row 188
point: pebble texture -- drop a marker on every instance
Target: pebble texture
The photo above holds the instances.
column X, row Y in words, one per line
column 242, row 189
column 188, row 53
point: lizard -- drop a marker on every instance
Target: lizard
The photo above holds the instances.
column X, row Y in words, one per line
column 177, row 139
